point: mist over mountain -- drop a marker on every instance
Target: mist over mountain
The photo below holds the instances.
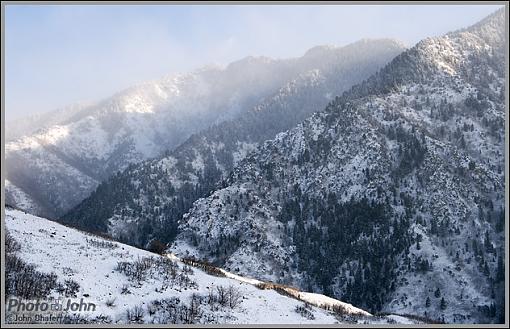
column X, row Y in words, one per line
column 155, row 194
column 54, row 168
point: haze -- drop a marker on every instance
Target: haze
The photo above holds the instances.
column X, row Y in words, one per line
column 59, row 55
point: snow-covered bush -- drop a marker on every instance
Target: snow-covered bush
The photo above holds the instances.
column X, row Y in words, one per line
column 305, row 311
column 23, row 280
column 135, row 314
column 102, row 244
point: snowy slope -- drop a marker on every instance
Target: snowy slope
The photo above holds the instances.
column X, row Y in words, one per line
column 92, row 262
column 14, row 195
column 17, row 128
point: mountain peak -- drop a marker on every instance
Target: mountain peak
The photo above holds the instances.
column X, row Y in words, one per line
column 488, row 29
column 327, row 49
column 249, row 61
column 319, row 50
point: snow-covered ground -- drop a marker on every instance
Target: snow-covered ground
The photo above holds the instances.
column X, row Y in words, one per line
column 16, row 196
column 92, row 262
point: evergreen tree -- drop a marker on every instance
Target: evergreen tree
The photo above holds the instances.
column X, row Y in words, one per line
column 487, row 242
column 500, row 271
column 443, row 304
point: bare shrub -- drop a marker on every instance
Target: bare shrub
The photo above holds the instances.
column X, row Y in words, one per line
column 338, row 309
column 137, row 270
column 122, row 266
column 212, row 300
column 146, row 266
column 221, row 293
column 71, row 288
column 206, row 267
column 184, row 281
column 193, row 311
column 23, row 280
column 11, row 245
column 235, row 297
column 169, row 307
column 228, row 296
column 102, row 244
column 125, row 290
column 187, row 270
column 135, row 315
column 172, row 311
column 68, row 271
column 305, row 311
column 110, row 302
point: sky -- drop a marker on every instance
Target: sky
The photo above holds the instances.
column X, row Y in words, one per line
column 56, row 55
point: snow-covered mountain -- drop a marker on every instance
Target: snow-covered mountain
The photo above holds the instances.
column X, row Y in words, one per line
column 391, row 199
column 58, row 165
column 46, row 260
column 146, row 200
column 17, row 128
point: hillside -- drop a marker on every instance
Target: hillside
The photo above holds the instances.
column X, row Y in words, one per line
column 130, row 285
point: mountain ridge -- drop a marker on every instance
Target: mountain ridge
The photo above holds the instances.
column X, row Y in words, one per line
column 136, row 124
column 400, row 153
column 157, row 192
